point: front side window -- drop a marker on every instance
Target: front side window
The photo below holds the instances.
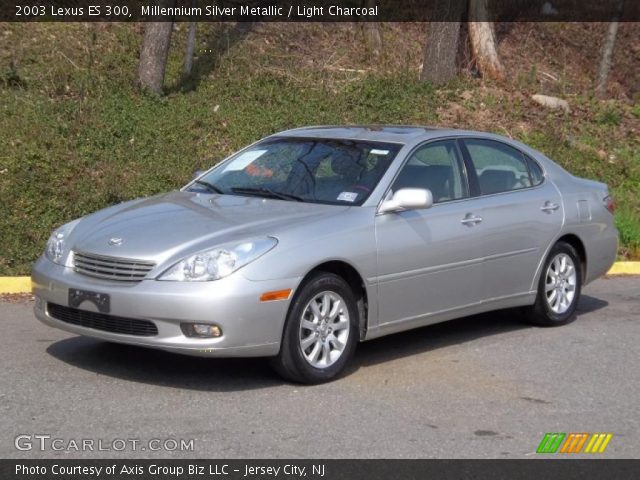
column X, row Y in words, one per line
column 331, row 171
column 437, row 167
column 499, row 167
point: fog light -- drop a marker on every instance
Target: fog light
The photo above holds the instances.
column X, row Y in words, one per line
column 201, row 330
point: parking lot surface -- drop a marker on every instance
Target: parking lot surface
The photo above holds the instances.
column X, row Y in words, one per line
column 487, row 386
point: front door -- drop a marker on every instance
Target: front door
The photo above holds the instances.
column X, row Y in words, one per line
column 430, row 261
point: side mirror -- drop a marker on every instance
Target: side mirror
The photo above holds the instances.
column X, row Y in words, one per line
column 197, row 173
column 407, row 199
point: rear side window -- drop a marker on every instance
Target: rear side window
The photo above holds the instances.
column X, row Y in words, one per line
column 499, row 167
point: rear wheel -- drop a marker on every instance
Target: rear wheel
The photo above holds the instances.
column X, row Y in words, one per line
column 558, row 289
column 320, row 332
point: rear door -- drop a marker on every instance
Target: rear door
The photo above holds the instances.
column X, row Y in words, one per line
column 429, row 260
column 522, row 214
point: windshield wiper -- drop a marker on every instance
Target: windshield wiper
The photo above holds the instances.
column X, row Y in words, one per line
column 210, row 186
column 267, row 192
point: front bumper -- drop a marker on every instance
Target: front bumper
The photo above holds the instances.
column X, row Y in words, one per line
column 250, row 328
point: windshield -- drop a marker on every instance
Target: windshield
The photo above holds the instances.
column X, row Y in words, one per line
column 340, row 172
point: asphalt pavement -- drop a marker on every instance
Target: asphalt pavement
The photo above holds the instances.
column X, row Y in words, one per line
column 487, row 386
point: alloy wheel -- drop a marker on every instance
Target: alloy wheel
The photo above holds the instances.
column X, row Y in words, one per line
column 324, row 329
column 560, row 284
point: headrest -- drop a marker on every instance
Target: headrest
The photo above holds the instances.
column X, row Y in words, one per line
column 345, row 165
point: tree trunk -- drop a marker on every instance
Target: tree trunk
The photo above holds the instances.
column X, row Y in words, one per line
column 191, row 43
column 483, row 41
column 372, row 36
column 154, row 53
column 443, row 33
column 607, row 51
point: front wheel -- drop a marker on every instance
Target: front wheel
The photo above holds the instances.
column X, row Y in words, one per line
column 320, row 332
column 558, row 289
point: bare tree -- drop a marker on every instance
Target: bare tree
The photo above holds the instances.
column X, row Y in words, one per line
column 483, row 41
column 154, row 53
column 372, row 35
column 191, row 43
column 443, row 32
column 607, row 50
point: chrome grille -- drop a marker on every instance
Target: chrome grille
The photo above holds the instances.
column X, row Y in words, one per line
column 112, row 268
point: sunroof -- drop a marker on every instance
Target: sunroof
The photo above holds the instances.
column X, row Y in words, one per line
column 396, row 129
column 403, row 130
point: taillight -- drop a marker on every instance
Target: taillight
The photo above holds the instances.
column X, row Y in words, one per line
column 609, row 204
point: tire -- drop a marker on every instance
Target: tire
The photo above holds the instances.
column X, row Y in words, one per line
column 317, row 343
column 556, row 309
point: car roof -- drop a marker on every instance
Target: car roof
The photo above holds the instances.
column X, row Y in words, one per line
column 381, row 133
column 404, row 134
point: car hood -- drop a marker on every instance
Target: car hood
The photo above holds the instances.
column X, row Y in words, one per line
column 181, row 223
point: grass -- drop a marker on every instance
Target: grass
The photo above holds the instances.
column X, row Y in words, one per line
column 78, row 136
column 629, row 228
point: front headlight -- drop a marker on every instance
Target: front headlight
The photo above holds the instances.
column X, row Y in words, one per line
column 218, row 262
column 55, row 244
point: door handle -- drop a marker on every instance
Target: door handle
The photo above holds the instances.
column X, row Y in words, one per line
column 550, row 207
column 471, row 220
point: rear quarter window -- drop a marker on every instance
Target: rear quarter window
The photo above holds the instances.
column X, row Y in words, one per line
column 537, row 176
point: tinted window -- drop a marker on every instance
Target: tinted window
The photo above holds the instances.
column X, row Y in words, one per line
column 536, row 171
column 436, row 166
column 310, row 170
column 499, row 167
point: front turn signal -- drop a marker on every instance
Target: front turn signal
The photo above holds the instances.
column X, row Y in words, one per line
column 276, row 295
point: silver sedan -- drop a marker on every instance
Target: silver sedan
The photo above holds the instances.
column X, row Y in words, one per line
column 311, row 240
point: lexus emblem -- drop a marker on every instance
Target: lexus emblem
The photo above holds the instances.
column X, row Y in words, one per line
column 115, row 241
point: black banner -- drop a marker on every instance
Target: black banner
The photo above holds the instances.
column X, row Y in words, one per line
column 317, row 10
column 539, row 468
